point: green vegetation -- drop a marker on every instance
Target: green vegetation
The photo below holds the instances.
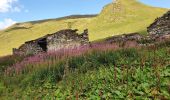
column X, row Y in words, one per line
column 99, row 72
column 125, row 16
column 9, row 61
column 91, row 73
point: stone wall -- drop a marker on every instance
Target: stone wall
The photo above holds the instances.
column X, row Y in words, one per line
column 159, row 31
column 30, row 47
column 66, row 39
column 125, row 37
column 62, row 39
column 161, row 25
column 125, row 40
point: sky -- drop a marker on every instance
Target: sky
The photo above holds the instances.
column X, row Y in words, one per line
column 13, row 11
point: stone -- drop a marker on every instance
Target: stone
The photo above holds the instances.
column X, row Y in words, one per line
column 124, row 38
column 159, row 31
column 160, row 25
column 62, row 39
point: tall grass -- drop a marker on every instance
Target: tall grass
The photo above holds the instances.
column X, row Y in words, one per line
column 52, row 57
column 96, row 71
column 8, row 61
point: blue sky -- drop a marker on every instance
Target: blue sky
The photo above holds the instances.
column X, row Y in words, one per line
column 12, row 11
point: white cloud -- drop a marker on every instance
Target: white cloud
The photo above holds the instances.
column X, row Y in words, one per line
column 6, row 23
column 8, row 5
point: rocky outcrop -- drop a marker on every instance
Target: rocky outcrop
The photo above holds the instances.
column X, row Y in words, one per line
column 161, row 25
column 62, row 39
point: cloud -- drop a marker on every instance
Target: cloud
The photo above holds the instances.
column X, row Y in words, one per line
column 6, row 23
column 9, row 5
column 16, row 9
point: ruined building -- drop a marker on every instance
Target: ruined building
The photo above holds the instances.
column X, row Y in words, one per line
column 125, row 40
column 62, row 39
column 159, row 31
column 161, row 25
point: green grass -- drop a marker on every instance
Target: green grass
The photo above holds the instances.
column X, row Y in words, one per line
column 126, row 16
column 116, row 75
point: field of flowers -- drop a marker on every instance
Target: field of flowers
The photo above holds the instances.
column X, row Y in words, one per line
column 99, row 72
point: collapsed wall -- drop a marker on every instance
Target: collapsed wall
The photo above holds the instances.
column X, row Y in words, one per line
column 30, row 47
column 161, row 25
column 159, row 31
column 62, row 39
column 66, row 39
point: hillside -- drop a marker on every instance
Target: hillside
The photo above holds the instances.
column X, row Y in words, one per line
column 124, row 16
column 102, row 72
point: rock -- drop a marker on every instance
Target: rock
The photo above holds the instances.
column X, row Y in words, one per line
column 159, row 32
column 161, row 25
column 62, row 39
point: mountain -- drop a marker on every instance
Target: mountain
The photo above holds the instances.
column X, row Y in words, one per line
column 123, row 16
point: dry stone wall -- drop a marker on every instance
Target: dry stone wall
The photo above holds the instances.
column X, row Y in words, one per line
column 30, row 47
column 159, row 31
column 62, row 39
column 161, row 25
column 125, row 40
column 66, row 39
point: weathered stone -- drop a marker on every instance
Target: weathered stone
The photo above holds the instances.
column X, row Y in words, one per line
column 62, row 39
column 124, row 38
column 161, row 25
column 159, row 32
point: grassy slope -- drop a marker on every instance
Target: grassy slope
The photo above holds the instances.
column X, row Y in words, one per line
column 127, row 74
column 125, row 16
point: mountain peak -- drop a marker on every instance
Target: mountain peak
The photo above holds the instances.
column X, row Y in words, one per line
column 121, row 10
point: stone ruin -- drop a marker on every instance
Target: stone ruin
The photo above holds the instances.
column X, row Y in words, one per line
column 124, row 37
column 159, row 32
column 62, row 39
column 125, row 40
column 161, row 25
